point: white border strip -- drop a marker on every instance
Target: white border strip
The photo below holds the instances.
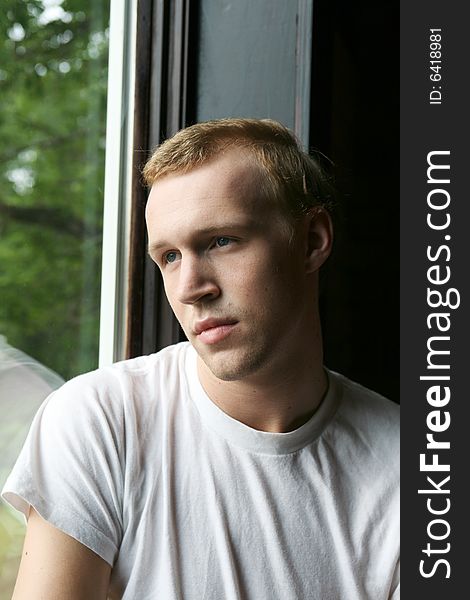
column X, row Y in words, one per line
column 117, row 192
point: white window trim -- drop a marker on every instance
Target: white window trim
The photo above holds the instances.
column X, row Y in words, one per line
column 118, row 179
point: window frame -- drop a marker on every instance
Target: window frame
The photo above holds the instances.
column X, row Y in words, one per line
column 151, row 88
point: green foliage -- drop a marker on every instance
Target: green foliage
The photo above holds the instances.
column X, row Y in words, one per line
column 53, row 76
column 12, row 531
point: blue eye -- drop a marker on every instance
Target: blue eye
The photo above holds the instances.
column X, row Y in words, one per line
column 170, row 257
column 222, row 241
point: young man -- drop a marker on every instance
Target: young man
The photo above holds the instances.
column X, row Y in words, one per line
column 233, row 465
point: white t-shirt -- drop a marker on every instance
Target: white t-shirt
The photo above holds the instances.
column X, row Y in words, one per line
column 137, row 463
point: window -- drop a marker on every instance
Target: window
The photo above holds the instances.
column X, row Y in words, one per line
column 53, row 82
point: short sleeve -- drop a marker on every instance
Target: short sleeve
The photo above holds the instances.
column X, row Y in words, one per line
column 70, row 469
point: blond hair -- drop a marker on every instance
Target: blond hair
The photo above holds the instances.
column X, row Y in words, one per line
column 291, row 176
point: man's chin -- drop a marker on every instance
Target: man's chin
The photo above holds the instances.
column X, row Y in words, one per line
column 230, row 365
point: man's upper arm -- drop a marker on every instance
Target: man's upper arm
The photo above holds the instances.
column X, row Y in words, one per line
column 58, row 567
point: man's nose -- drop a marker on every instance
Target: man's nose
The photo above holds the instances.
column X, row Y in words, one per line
column 196, row 280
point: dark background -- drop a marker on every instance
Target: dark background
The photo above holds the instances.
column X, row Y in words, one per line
column 355, row 121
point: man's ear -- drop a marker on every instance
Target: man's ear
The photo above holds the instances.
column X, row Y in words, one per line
column 318, row 238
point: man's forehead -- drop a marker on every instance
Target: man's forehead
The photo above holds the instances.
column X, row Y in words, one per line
column 227, row 180
column 225, row 196
column 233, row 167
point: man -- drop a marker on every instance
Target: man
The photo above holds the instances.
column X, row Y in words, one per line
column 235, row 465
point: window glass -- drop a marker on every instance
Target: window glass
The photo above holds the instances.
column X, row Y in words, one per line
column 247, row 63
column 53, row 78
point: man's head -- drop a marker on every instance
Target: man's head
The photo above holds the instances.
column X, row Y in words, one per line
column 289, row 175
column 242, row 283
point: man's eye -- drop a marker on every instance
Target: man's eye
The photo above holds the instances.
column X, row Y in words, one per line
column 222, row 241
column 170, row 257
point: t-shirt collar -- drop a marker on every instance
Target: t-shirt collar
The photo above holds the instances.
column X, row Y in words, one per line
column 261, row 442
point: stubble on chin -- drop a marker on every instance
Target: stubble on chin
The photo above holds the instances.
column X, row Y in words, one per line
column 234, row 365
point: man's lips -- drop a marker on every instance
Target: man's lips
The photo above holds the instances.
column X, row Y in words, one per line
column 211, row 331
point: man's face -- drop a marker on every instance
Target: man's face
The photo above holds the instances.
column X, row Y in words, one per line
column 234, row 282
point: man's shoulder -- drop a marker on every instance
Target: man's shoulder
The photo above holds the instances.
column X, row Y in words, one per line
column 137, row 381
column 168, row 362
column 356, row 399
column 367, row 418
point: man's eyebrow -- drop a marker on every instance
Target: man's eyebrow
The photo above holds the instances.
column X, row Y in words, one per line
column 206, row 231
column 154, row 247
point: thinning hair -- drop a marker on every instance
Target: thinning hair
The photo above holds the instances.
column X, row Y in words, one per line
column 290, row 175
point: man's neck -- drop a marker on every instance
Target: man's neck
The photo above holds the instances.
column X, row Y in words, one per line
column 278, row 401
